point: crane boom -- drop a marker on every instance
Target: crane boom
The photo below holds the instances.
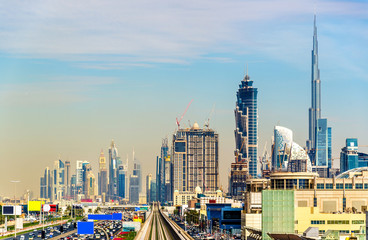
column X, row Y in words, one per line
column 178, row 121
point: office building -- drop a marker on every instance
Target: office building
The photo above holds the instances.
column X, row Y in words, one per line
column 134, row 189
column 122, row 182
column 148, row 187
column 168, row 179
column 137, row 171
column 319, row 142
column 46, row 185
column 246, row 137
column 58, row 176
column 87, row 170
column 91, row 187
column 113, row 167
column 67, row 178
column 349, row 155
column 102, row 175
column 73, row 186
column 153, row 191
column 195, row 159
column 160, row 171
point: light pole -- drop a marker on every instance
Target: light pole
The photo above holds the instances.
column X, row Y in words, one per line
column 15, row 216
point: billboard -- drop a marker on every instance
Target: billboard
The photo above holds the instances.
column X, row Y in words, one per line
column 114, row 216
column 85, row 227
column 12, row 210
column 35, row 206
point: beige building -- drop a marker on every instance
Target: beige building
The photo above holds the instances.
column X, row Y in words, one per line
column 337, row 203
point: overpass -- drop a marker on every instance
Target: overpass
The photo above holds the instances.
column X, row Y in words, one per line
column 158, row 226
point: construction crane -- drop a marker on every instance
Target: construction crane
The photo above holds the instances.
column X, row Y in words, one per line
column 207, row 122
column 178, row 121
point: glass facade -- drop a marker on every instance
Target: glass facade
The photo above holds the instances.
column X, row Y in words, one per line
column 277, row 212
column 246, row 120
column 349, row 155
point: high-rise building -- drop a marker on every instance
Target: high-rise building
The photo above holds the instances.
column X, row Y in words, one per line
column 113, row 167
column 58, row 180
column 195, row 159
column 91, row 187
column 73, row 186
column 160, row 171
column 67, row 178
column 102, row 175
column 122, row 182
column 168, row 179
column 153, row 191
column 349, row 155
column 246, row 121
column 148, row 187
column 87, row 169
column 319, row 142
column 46, row 185
column 246, row 138
column 137, row 171
column 134, row 189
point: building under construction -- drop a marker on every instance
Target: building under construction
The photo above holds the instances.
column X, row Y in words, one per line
column 195, row 159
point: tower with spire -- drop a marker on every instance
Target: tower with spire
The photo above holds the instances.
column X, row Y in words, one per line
column 113, row 178
column 246, row 136
column 102, row 175
column 319, row 141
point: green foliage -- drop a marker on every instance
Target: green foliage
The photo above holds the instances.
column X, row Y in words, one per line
column 192, row 216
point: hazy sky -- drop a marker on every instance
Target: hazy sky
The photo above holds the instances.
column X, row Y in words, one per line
column 76, row 74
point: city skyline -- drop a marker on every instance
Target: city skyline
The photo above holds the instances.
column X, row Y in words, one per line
column 60, row 96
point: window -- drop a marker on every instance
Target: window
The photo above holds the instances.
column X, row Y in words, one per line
column 365, row 185
column 339, row 186
column 322, row 231
column 344, row 231
column 320, row 186
column 348, row 186
column 314, row 202
column 337, row 221
column 357, row 222
column 329, row 186
column 314, row 222
column 303, row 184
column 359, row 186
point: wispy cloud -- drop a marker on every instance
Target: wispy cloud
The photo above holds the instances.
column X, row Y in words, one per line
column 155, row 31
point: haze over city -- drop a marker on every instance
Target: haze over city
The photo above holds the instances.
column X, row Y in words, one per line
column 75, row 75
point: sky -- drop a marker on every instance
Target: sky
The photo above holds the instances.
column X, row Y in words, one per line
column 76, row 74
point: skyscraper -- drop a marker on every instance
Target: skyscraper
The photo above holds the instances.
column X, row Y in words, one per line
column 195, row 159
column 349, row 155
column 46, row 185
column 102, row 175
column 67, row 178
column 148, row 187
column 134, row 189
column 58, row 180
column 113, row 179
column 160, row 171
column 246, row 138
column 319, row 142
column 122, row 181
column 138, row 172
column 246, row 123
column 168, row 179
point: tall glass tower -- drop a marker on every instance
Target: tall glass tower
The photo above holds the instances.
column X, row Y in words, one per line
column 319, row 142
column 246, row 121
column 315, row 109
column 113, row 167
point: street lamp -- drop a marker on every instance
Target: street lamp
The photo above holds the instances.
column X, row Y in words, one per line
column 15, row 216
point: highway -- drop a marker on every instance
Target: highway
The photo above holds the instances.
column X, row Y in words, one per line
column 159, row 227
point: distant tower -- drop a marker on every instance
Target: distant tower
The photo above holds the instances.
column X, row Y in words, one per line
column 319, row 142
column 67, row 178
column 58, row 180
column 113, row 179
column 102, row 175
column 148, row 187
column 315, row 109
column 122, row 175
column 137, row 171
